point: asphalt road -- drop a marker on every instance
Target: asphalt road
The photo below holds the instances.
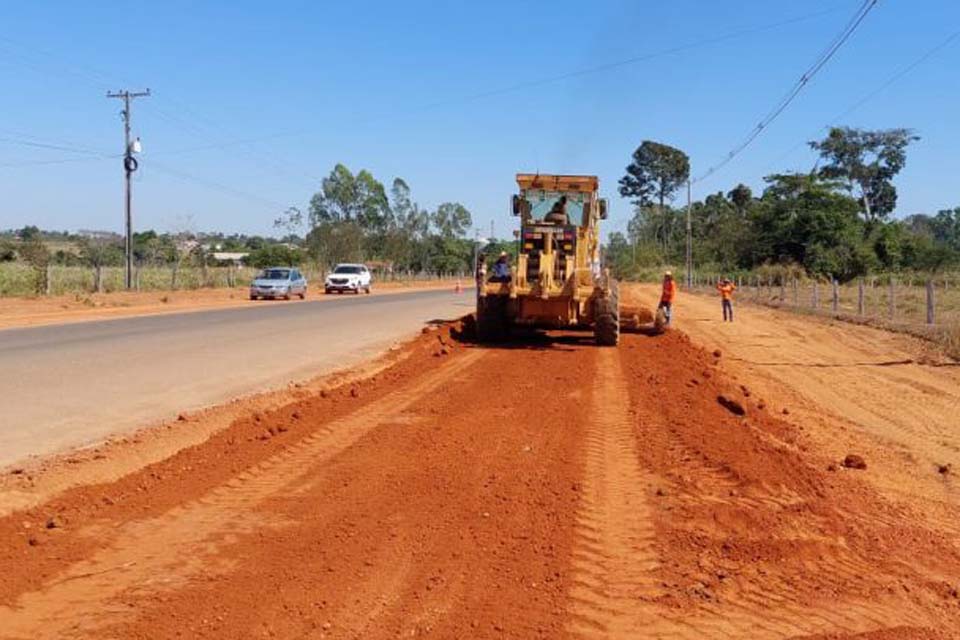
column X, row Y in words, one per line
column 69, row 385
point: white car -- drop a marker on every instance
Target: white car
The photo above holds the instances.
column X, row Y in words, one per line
column 348, row 277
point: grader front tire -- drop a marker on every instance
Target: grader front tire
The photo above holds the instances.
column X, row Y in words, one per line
column 606, row 328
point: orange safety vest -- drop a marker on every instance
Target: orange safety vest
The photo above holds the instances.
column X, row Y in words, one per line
column 669, row 291
column 726, row 290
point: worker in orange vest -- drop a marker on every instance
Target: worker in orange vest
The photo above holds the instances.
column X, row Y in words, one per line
column 726, row 289
column 668, row 294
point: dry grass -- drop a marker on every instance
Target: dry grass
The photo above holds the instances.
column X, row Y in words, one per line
column 19, row 280
column 909, row 313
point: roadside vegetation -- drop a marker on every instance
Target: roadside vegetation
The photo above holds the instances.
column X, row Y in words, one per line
column 831, row 223
column 352, row 218
column 822, row 241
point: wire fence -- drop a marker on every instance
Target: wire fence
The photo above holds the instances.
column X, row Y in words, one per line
column 17, row 279
column 923, row 305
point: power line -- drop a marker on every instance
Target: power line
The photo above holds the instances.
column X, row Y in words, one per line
column 696, row 44
column 797, row 88
column 30, row 141
column 874, row 93
column 732, row 35
column 33, row 163
column 210, row 184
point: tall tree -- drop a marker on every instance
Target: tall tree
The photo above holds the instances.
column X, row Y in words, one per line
column 740, row 196
column 452, row 220
column 867, row 161
column 345, row 197
column 655, row 174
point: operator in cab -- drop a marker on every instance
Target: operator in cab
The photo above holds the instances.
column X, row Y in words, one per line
column 501, row 269
column 558, row 212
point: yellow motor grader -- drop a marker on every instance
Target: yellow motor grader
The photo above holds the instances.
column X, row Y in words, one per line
column 558, row 281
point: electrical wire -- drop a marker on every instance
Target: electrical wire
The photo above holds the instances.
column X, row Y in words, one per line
column 732, row 35
column 210, row 184
column 825, row 56
column 30, row 141
column 871, row 95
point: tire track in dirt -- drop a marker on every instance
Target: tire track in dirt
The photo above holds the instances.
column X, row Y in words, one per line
column 167, row 552
column 741, row 483
column 615, row 561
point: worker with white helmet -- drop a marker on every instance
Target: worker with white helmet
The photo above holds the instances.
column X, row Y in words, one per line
column 668, row 294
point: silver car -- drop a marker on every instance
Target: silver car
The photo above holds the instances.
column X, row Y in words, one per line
column 278, row 282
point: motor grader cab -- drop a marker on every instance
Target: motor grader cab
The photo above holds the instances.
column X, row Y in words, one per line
column 558, row 281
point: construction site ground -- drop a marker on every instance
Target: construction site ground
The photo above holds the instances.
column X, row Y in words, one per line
column 779, row 477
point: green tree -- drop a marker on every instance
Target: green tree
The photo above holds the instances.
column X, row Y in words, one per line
column 345, row 197
column 274, row 255
column 801, row 218
column 867, row 161
column 452, row 220
column 29, row 233
column 655, row 174
column 741, row 197
column 36, row 254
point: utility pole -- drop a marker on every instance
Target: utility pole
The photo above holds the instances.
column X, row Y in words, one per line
column 129, row 166
column 689, row 236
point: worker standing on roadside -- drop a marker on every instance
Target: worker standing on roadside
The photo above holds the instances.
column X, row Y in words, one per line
column 668, row 294
column 726, row 289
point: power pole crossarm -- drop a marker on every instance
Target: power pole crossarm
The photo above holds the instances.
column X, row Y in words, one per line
column 129, row 166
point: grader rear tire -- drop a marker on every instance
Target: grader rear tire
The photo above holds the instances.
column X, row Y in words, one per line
column 606, row 327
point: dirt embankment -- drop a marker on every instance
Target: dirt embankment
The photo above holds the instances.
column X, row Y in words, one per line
column 28, row 312
column 542, row 488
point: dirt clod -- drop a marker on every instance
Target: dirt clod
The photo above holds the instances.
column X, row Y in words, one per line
column 717, row 353
column 944, row 469
column 731, row 405
column 354, row 392
column 853, row 461
column 54, row 522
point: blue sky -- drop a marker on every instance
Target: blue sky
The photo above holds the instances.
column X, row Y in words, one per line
column 253, row 103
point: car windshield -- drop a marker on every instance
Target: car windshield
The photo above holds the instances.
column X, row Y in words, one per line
column 543, row 202
column 274, row 274
column 346, row 269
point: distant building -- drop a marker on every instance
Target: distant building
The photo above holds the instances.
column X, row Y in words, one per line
column 235, row 257
column 99, row 235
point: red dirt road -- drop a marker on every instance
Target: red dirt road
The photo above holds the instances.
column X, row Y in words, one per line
column 545, row 488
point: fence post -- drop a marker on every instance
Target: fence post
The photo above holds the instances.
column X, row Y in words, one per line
column 173, row 276
column 835, row 304
column 816, row 294
column 892, row 300
column 796, row 292
column 47, row 277
column 930, row 301
column 783, row 292
column 860, row 305
column 98, row 278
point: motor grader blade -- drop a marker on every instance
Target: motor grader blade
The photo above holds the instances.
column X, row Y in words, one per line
column 660, row 321
column 633, row 318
